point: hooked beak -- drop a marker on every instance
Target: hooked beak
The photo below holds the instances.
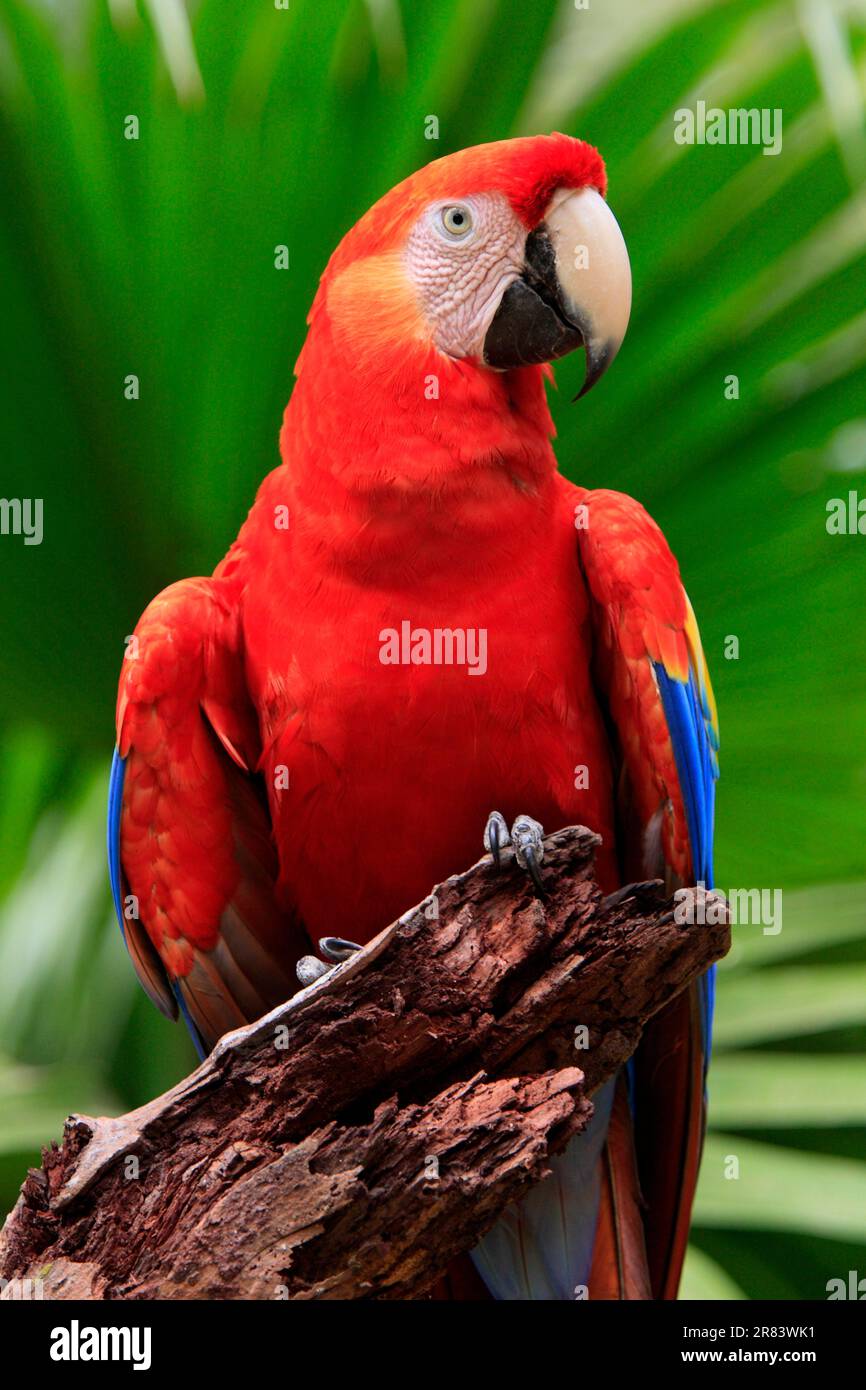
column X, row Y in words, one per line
column 575, row 291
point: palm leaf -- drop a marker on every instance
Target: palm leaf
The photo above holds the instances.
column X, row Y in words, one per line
column 261, row 127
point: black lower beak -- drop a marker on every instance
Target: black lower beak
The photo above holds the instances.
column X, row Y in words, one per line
column 527, row 329
column 533, row 323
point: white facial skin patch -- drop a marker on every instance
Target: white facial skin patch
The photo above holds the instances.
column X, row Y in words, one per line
column 461, row 257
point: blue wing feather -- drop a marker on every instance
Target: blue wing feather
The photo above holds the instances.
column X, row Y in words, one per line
column 695, row 742
column 115, row 803
column 148, row 966
column 692, row 753
column 197, row 1040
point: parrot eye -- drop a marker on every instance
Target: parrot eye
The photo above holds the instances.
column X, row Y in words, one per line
column 456, row 221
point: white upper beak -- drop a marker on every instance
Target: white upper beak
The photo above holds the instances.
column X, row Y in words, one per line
column 594, row 273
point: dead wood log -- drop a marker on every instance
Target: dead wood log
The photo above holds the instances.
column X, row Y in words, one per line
column 354, row 1140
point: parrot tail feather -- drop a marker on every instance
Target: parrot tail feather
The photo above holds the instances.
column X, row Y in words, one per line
column 540, row 1249
column 619, row 1262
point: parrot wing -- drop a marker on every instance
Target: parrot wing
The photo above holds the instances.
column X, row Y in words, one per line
column 655, row 687
column 191, row 855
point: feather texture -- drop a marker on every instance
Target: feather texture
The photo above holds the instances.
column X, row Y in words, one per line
column 189, row 835
column 654, row 679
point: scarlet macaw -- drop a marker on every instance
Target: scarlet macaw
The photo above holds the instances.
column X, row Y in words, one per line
column 277, row 779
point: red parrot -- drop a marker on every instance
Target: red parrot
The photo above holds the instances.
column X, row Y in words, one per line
column 421, row 619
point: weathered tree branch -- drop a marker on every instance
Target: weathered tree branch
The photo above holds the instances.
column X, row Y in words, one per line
column 352, row 1142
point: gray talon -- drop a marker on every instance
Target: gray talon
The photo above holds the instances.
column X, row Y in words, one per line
column 527, row 836
column 496, row 835
column 337, row 948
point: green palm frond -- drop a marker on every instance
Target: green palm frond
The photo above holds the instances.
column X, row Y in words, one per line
column 154, row 257
column 784, row 1153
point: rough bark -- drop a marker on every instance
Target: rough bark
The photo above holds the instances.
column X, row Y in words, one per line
column 354, row 1140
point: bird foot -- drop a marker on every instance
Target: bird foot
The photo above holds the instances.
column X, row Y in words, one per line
column 526, row 838
column 335, row 949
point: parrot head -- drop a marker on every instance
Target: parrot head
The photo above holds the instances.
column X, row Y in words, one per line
column 497, row 258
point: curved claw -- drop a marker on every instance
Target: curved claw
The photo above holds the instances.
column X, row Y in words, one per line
column 337, row 948
column 629, row 890
column 494, row 843
column 496, row 836
column 533, row 870
column 527, row 836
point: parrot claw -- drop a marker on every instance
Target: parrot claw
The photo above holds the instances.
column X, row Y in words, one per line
column 335, row 949
column 496, row 836
column 628, row 890
column 527, row 837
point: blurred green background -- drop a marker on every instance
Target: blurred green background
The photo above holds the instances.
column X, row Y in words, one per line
column 261, row 126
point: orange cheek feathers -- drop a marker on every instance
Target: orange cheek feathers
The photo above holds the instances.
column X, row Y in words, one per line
column 374, row 312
